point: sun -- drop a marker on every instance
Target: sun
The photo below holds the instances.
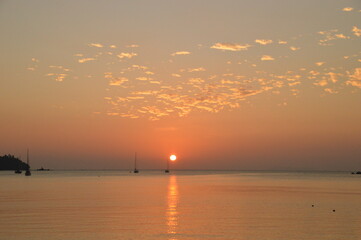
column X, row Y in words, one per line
column 173, row 157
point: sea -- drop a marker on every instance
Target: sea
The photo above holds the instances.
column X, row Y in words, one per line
column 245, row 205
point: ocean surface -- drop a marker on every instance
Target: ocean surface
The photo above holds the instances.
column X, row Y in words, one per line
column 104, row 205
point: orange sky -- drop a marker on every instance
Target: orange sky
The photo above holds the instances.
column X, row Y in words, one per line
column 231, row 85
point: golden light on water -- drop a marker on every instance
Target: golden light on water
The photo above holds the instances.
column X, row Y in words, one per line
column 173, row 157
column 172, row 208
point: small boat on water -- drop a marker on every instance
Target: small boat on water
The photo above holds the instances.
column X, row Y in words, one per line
column 18, row 171
column 27, row 172
column 43, row 169
column 135, row 164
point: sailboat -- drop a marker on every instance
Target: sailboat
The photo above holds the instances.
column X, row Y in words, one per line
column 135, row 164
column 27, row 173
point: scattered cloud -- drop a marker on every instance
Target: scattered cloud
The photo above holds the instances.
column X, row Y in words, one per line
column 126, row 55
column 264, row 41
column 230, row 46
column 356, row 31
column 83, row 60
column 319, row 63
column 98, row 45
column 200, row 69
column 181, row 53
column 294, row 48
column 267, row 58
column 347, row 9
column 132, row 46
column 354, row 78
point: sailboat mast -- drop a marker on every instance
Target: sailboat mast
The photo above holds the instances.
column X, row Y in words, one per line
column 135, row 160
column 27, row 156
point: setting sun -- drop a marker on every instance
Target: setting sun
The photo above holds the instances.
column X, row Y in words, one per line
column 173, row 157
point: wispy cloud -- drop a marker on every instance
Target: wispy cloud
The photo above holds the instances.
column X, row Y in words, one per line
column 83, row 60
column 263, row 41
column 267, row 58
column 355, row 78
column 330, row 90
column 200, row 69
column 319, row 63
column 230, row 46
column 356, row 31
column 347, row 9
column 126, row 55
column 98, row 45
column 294, row 48
column 181, row 53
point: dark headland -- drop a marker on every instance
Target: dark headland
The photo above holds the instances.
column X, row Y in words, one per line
column 9, row 162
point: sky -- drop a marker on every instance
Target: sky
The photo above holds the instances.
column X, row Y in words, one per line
column 228, row 85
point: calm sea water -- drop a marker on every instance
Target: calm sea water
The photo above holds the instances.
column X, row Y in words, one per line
column 102, row 205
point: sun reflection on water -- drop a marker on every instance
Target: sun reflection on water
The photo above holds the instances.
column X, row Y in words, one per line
column 172, row 208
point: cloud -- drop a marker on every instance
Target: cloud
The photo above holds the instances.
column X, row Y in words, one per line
column 330, row 90
column 132, row 46
column 98, row 45
column 355, row 78
column 113, row 46
column 267, row 58
column 126, row 55
column 154, row 82
column 83, row 60
column 347, row 9
column 175, row 75
column 282, row 42
column 181, row 53
column 118, row 81
column 294, row 48
column 321, row 83
column 333, row 76
column 230, row 46
column 341, row 36
column 139, row 67
column 319, row 63
column 195, row 80
column 148, row 92
column 356, row 31
column 144, row 78
column 263, row 41
column 59, row 77
column 200, row 69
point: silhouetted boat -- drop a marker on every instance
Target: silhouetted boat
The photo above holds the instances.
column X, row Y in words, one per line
column 167, row 170
column 43, row 169
column 27, row 173
column 18, row 171
column 135, row 164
